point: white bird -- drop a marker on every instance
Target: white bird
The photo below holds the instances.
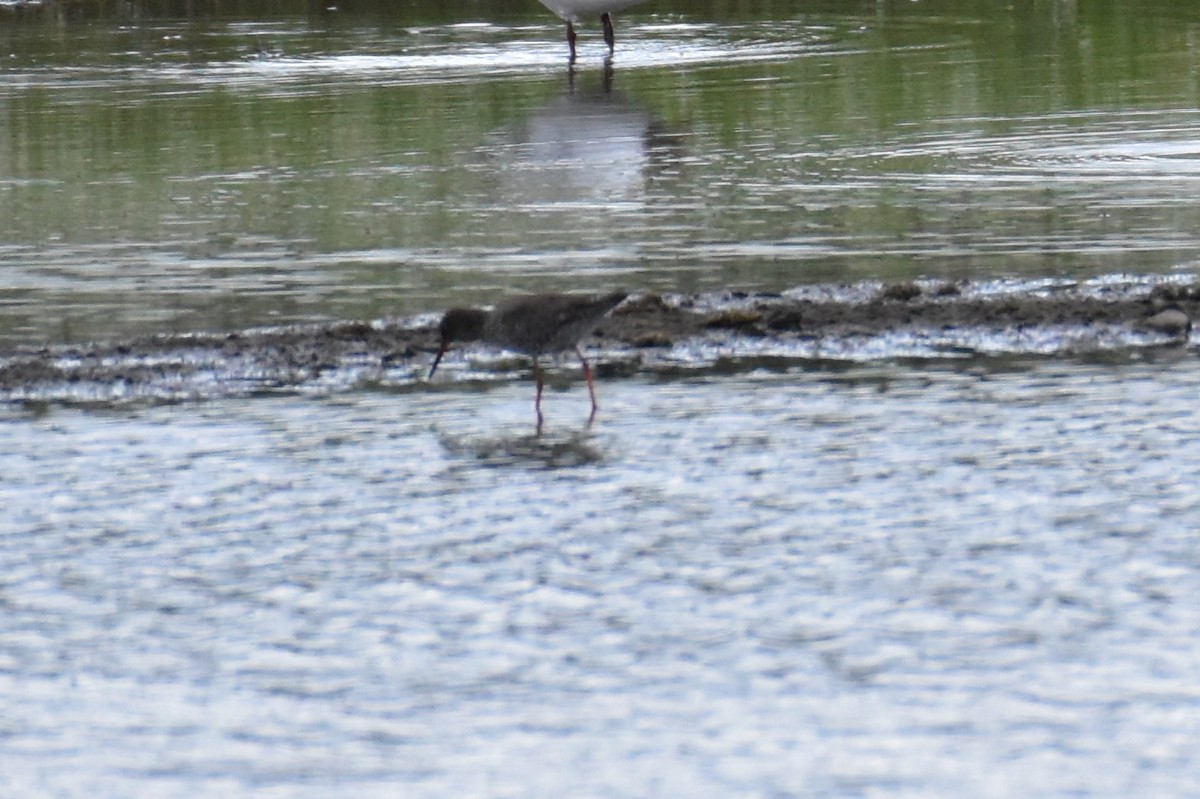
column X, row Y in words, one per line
column 573, row 10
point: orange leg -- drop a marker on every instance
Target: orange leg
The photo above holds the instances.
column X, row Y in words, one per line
column 587, row 373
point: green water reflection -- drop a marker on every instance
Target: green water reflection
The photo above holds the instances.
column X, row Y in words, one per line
column 195, row 166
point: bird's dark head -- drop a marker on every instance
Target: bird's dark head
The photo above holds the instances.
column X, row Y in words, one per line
column 459, row 324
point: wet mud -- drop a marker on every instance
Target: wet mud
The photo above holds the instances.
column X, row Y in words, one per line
column 648, row 332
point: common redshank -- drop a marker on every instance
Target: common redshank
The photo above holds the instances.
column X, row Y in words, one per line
column 573, row 10
column 534, row 324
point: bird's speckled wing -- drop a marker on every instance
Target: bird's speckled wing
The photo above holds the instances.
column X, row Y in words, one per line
column 545, row 323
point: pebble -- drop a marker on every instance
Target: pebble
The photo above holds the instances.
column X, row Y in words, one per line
column 1171, row 321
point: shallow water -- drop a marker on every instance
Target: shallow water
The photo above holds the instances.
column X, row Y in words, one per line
column 883, row 580
column 895, row 568
column 218, row 174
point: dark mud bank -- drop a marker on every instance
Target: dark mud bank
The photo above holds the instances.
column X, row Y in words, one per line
column 859, row 322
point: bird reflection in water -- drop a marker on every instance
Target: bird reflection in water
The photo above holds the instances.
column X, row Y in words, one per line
column 554, row 451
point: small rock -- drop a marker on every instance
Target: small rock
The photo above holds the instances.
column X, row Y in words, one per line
column 653, row 340
column 1170, row 321
column 736, row 318
column 786, row 319
column 902, row 292
column 1166, row 293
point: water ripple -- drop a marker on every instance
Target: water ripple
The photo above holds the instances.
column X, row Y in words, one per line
column 375, row 589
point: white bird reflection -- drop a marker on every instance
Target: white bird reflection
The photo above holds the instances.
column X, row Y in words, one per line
column 585, row 146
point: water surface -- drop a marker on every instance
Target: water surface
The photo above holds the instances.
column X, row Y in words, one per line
column 885, row 581
column 217, row 174
column 911, row 570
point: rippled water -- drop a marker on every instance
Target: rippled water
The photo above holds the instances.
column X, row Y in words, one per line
column 175, row 175
column 858, row 573
column 881, row 581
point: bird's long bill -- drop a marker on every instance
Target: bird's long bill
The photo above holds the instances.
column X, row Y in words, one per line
column 438, row 359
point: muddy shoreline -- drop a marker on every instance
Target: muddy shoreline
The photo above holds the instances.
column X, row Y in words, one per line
column 645, row 332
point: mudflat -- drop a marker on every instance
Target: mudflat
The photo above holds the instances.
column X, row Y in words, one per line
column 1123, row 313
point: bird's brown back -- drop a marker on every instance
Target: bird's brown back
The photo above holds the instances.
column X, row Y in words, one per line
column 546, row 323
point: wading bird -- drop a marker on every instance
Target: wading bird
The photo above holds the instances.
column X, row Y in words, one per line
column 534, row 324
